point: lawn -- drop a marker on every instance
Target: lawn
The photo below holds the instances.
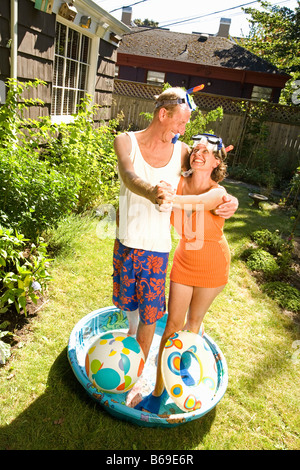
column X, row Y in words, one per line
column 43, row 407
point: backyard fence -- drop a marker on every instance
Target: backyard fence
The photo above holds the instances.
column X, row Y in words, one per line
column 282, row 122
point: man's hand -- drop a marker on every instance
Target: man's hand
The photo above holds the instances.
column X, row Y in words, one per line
column 228, row 207
column 165, row 194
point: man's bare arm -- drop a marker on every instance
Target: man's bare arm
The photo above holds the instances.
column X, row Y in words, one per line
column 228, row 207
column 132, row 181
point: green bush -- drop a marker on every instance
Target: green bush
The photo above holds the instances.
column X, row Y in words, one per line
column 34, row 195
column 286, row 296
column 48, row 171
column 86, row 154
column 270, row 241
column 23, row 270
column 257, row 176
column 261, row 260
column 276, row 245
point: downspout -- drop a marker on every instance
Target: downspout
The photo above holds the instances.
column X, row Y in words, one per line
column 14, row 38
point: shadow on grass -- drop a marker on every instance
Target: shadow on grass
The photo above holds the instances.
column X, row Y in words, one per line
column 66, row 418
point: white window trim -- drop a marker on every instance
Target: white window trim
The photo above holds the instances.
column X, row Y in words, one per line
column 93, row 61
column 157, row 81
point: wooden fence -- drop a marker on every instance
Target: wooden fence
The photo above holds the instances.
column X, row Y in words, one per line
column 283, row 122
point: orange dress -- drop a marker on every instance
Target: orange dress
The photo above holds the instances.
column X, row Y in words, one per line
column 202, row 257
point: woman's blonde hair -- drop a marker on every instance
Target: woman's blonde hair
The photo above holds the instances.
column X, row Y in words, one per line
column 219, row 173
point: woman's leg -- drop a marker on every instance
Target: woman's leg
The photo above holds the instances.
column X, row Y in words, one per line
column 202, row 299
column 179, row 299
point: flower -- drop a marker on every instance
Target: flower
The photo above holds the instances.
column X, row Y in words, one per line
column 154, row 263
column 150, row 313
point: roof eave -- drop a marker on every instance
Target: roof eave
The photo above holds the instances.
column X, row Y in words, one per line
column 203, row 70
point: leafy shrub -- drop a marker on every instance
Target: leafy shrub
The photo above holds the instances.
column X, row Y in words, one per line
column 34, row 195
column 86, row 154
column 270, row 241
column 247, row 252
column 201, row 122
column 276, row 245
column 255, row 176
column 4, row 347
column 22, row 268
column 287, row 296
column 48, row 170
column 261, row 260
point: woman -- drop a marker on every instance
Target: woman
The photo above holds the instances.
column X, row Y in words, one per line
column 201, row 261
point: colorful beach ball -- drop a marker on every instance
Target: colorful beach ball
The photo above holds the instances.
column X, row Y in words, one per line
column 114, row 362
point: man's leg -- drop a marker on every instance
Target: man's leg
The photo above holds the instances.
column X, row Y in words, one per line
column 144, row 336
column 133, row 321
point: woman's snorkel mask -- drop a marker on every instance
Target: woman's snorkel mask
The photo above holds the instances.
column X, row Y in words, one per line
column 211, row 141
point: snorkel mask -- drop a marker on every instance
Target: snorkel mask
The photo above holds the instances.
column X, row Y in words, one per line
column 211, row 141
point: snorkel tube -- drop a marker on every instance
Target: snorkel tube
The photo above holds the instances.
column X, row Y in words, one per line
column 191, row 104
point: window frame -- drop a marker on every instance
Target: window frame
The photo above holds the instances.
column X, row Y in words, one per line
column 260, row 93
column 91, row 65
column 155, row 82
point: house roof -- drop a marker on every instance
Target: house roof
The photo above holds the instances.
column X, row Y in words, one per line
column 192, row 48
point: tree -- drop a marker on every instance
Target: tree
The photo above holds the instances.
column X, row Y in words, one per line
column 146, row 22
column 274, row 36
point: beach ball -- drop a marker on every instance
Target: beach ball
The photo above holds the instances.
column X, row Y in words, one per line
column 114, row 362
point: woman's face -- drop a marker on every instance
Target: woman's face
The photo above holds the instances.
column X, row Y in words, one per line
column 202, row 157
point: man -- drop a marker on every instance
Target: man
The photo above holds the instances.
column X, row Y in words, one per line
column 149, row 169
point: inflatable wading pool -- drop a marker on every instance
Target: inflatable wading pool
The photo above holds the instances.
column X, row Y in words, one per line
column 111, row 319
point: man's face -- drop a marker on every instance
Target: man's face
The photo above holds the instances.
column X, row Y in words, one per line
column 176, row 123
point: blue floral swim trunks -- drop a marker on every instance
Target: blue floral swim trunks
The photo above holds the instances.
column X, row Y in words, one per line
column 139, row 281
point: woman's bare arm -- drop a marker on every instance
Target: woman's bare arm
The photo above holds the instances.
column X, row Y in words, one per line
column 207, row 201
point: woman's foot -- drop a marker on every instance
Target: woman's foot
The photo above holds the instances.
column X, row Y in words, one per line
column 152, row 403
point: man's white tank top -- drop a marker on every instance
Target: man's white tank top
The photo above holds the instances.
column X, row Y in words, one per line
column 141, row 224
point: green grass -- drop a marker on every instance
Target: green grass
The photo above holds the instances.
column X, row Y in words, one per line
column 44, row 407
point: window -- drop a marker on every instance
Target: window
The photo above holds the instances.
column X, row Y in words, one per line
column 71, row 67
column 155, row 78
column 261, row 93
